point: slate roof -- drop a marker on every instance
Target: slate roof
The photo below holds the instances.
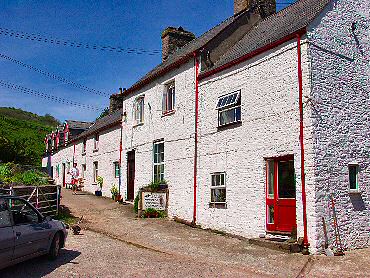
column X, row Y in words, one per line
column 185, row 51
column 275, row 27
column 102, row 124
column 78, row 125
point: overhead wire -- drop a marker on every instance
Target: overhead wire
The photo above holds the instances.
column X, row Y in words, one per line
column 48, row 97
column 64, row 42
column 54, row 76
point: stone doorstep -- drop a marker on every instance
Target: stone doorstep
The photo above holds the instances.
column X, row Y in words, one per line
column 276, row 244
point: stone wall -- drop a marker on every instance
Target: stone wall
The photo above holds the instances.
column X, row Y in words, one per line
column 339, row 52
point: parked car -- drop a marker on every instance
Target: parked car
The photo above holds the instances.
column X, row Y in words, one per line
column 25, row 233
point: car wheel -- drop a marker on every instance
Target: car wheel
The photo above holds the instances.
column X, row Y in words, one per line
column 55, row 247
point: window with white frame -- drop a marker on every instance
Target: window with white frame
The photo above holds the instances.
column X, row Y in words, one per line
column 229, row 108
column 116, row 169
column 96, row 171
column 139, row 110
column 353, row 177
column 84, row 147
column 218, row 190
column 96, row 142
column 168, row 102
column 158, row 161
column 83, row 170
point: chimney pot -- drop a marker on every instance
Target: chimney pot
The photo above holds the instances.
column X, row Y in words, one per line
column 267, row 7
column 173, row 39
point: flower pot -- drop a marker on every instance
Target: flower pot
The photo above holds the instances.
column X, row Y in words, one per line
column 98, row 193
column 163, row 186
column 117, row 198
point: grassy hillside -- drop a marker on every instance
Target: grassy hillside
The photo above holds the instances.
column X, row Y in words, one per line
column 22, row 135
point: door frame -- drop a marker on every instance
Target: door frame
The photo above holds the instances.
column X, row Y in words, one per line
column 273, row 227
column 130, row 154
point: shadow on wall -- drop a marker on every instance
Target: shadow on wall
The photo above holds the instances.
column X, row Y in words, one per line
column 40, row 267
column 357, row 202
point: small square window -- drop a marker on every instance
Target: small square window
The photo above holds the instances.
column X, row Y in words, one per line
column 229, row 109
column 353, row 177
column 218, row 190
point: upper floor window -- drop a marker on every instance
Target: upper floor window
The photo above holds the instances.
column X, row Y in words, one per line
column 84, row 146
column 168, row 102
column 66, row 137
column 229, row 109
column 139, row 110
column 96, row 142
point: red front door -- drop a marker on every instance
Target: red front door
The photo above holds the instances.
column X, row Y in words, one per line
column 280, row 194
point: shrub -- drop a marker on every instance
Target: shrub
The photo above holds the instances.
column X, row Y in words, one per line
column 153, row 213
column 5, row 173
column 100, row 181
column 136, row 202
column 114, row 191
column 154, row 185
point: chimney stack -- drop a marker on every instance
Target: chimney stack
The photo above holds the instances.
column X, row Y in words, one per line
column 116, row 100
column 173, row 39
column 267, row 7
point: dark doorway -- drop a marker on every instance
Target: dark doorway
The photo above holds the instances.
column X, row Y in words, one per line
column 130, row 175
column 64, row 174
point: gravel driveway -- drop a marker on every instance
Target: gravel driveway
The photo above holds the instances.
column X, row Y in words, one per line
column 115, row 243
column 95, row 255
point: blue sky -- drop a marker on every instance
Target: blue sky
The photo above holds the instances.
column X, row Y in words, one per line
column 127, row 24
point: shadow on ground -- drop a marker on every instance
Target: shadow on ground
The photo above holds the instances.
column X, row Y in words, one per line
column 39, row 267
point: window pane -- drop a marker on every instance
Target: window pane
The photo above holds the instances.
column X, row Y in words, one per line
column 222, row 179
column 286, row 182
column 353, row 177
column 270, row 214
column 218, row 195
column 213, row 180
column 4, row 214
column 23, row 213
column 270, row 178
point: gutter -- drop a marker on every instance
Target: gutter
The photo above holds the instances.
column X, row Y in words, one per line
column 301, row 134
column 196, row 64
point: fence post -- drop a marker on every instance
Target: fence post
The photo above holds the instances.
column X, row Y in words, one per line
column 37, row 197
column 58, row 196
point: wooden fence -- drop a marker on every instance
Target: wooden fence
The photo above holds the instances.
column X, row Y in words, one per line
column 45, row 198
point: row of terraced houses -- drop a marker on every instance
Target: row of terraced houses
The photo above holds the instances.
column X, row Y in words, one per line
column 257, row 125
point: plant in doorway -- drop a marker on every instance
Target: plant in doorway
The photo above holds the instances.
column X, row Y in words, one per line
column 115, row 193
column 100, row 182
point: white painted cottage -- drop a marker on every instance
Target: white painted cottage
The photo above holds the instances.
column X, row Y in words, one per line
column 260, row 123
column 219, row 120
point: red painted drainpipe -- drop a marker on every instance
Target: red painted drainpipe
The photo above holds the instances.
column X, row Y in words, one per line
column 120, row 157
column 196, row 63
column 300, row 84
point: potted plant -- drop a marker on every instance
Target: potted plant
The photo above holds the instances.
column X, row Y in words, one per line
column 99, row 181
column 114, row 192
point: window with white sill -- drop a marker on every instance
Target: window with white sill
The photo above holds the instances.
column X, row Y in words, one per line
column 229, row 109
column 168, row 101
column 139, row 110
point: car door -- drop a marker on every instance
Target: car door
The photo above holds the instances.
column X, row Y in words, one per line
column 6, row 235
column 31, row 233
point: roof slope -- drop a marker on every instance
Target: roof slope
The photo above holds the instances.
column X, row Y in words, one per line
column 78, row 124
column 185, row 51
column 275, row 27
column 101, row 124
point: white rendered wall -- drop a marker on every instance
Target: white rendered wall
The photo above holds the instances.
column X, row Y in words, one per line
column 106, row 155
column 341, row 114
column 177, row 131
column 270, row 128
